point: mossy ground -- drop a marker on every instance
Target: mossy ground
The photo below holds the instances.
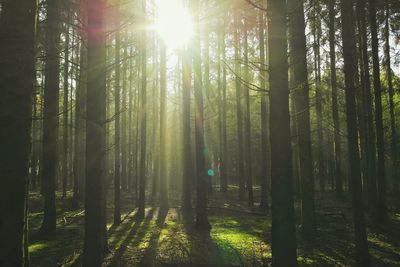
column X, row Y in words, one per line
column 240, row 236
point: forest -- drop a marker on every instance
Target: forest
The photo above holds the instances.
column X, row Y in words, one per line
column 199, row 133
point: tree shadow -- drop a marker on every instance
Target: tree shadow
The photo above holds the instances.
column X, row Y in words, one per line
column 139, row 229
column 150, row 254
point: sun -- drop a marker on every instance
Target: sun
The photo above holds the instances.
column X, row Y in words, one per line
column 174, row 23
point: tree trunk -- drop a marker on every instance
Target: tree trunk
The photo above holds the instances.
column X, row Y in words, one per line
column 202, row 222
column 283, row 224
column 65, row 110
column 143, row 121
column 389, row 78
column 381, row 215
column 362, row 255
column 187, row 159
column 163, row 128
column 264, row 203
column 247, row 120
column 50, row 124
column 298, row 52
column 239, row 117
column 369, row 116
column 117, row 111
column 95, row 240
column 17, row 32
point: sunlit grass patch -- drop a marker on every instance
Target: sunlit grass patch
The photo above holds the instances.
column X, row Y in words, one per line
column 241, row 240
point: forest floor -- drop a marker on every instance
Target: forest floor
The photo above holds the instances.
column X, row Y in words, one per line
column 240, row 236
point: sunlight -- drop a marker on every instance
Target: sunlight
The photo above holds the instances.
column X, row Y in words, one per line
column 174, row 23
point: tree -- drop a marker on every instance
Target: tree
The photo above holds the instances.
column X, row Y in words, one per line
column 163, row 121
column 362, row 255
column 298, row 52
column 187, row 159
column 202, row 222
column 335, row 108
column 117, row 110
column 143, row 122
column 239, row 115
column 371, row 174
column 381, row 215
column 247, row 119
column 95, row 240
column 50, row 123
column 17, row 32
column 389, row 77
column 264, row 115
column 65, row 107
column 283, row 225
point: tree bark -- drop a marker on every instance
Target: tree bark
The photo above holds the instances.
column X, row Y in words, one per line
column 381, row 215
column 17, row 32
column 95, row 240
column 298, row 52
column 283, row 224
column 50, row 124
column 362, row 255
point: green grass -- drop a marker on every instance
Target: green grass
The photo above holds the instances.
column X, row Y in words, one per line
column 240, row 236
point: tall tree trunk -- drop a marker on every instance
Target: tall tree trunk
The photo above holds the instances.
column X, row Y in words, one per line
column 283, row 224
column 65, row 109
column 117, row 111
column 202, row 222
column 239, row 117
column 389, row 77
column 362, row 255
column 316, row 29
column 79, row 151
column 247, row 119
column 50, row 124
column 222, row 107
column 163, row 128
column 124, row 112
column 381, row 215
column 369, row 116
column 187, row 159
column 298, row 53
column 264, row 115
column 95, row 240
column 143, row 120
column 17, row 32
column 335, row 108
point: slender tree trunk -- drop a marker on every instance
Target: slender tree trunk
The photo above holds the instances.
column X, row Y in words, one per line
column 187, row 159
column 316, row 30
column 124, row 112
column 247, row 120
column 264, row 203
column 335, row 108
column 117, row 111
column 50, row 124
column 79, row 152
column 381, row 215
column 95, row 241
column 283, row 224
column 239, row 117
column 17, row 32
column 369, row 116
column 202, row 222
column 389, row 77
column 362, row 255
column 163, row 128
column 298, row 53
column 65, row 110
column 143, row 121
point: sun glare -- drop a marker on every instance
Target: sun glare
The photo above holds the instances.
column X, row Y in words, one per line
column 174, row 23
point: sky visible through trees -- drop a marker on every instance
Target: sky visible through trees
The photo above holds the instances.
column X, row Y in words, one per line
column 199, row 133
